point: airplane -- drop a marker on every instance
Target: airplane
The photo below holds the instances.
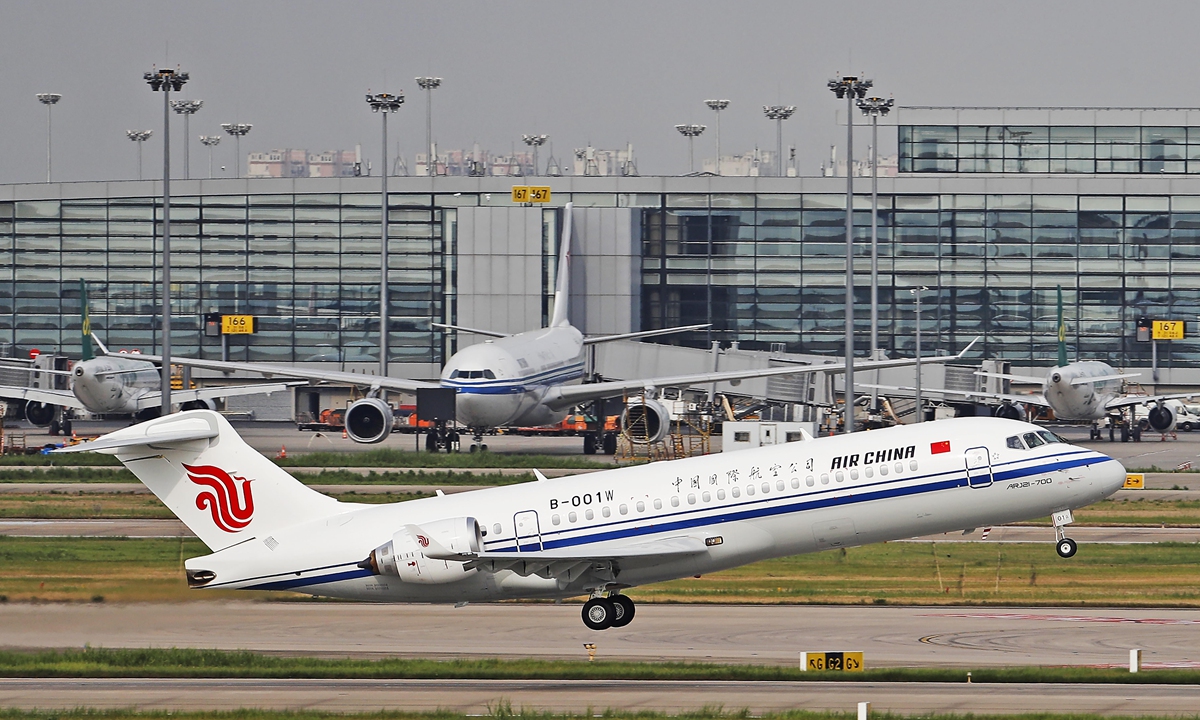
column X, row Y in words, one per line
column 606, row 532
column 117, row 384
column 1082, row 390
column 525, row 379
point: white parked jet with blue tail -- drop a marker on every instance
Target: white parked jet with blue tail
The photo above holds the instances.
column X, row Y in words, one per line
column 602, row 533
column 530, row 378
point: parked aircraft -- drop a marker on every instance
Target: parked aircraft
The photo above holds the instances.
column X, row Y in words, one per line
column 117, row 384
column 530, row 378
column 602, row 533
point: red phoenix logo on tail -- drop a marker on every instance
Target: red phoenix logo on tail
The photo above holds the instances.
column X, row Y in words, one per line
column 230, row 512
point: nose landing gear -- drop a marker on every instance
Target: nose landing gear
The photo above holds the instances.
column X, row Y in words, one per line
column 1065, row 546
column 601, row 613
column 477, row 444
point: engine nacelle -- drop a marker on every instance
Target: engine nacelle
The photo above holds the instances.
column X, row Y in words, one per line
column 198, row 405
column 406, row 555
column 1161, row 417
column 369, row 420
column 645, row 421
column 41, row 414
column 1010, row 411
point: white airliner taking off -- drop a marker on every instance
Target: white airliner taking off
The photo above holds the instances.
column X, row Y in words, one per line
column 116, row 384
column 604, row 532
column 524, row 379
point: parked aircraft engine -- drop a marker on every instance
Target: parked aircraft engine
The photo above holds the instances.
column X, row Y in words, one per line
column 645, row 421
column 199, row 405
column 407, row 554
column 369, row 420
column 1010, row 411
column 1161, row 417
column 39, row 414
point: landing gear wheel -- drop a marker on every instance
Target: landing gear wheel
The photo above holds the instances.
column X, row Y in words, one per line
column 1066, row 548
column 474, row 448
column 610, row 443
column 55, row 428
column 483, row 448
column 624, row 608
column 66, row 427
column 599, row 613
column 431, row 443
column 589, row 443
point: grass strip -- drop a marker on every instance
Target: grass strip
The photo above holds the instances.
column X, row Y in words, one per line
column 196, row 663
column 503, row 710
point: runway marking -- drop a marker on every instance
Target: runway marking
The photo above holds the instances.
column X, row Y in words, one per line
column 1063, row 618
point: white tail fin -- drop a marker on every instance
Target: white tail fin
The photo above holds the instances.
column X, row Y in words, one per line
column 220, row 487
column 562, row 285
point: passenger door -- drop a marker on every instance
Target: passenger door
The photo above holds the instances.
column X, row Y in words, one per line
column 529, row 533
column 979, row 467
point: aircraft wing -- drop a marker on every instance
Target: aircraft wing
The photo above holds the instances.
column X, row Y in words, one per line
column 1014, row 378
column 572, row 562
column 477, row 331
column 567, row 396
column 1102, row 378
column 178, row 397
column 643, row 333
column 976, row 395
column 309, row 374
column 1130, row 400
column 62, row 398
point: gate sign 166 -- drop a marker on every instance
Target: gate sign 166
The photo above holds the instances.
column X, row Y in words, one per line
column 237, row 324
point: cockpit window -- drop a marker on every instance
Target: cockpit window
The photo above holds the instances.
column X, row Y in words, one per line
column 1015, row 443
column 453, row 374
column 1049, row 437
column 489, row 374
column 1032, row 439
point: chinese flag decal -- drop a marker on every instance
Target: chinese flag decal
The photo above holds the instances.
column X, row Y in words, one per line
column 939, row 447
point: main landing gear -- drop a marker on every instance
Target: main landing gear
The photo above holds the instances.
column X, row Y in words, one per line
column 1065, row 546
column 477, row 444
column 601, row 613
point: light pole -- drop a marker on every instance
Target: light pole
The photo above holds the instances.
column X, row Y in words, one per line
column 48, row 99
column 384, row 103
column 139, row 137
column 690, row 132
column 187, row 108
column 535, row 142
column 875, row 108
column 917, row 293
column 237, row 130
column 209, row 141
column 166, row 80
column 849, row 87
column 718, row 106
column 779, row 113
column 428, row 84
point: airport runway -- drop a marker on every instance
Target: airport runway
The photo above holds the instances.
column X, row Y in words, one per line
column 480, row 696
column 142, row 528
column 770, row 634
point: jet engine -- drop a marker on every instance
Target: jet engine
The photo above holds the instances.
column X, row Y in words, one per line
column 198, row 405
column 1010, row 411
column 645, row 421
column 40, row 414
column 407, row 554
column 369, row 420
column 1161, row 417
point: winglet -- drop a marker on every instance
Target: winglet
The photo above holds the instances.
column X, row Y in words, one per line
column 85, row 322
column 562, row 284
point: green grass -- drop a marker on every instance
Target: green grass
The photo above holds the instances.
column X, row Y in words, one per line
column 182, row 662
column 967, row 574
column 503, row 710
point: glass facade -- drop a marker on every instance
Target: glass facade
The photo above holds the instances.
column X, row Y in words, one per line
column 1048, row 149
column 307, row 266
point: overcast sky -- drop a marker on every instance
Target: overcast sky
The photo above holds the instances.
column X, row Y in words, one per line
column 600, row 72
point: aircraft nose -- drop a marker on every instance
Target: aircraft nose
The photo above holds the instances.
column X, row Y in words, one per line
column 1111, row 476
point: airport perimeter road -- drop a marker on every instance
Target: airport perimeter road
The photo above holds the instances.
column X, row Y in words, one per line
column 890, row 636
column 480, row 696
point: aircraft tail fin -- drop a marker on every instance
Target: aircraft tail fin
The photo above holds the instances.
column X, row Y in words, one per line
column 202, row 470
column 1062, row 332
column 562, row 284
column 85, row 322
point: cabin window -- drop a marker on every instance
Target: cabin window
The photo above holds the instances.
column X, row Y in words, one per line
column 741, row 437
column 588, row 514
column 1032, row 440
column 824, row 478
column 912, row 465
column 720, row 494
column 554, row 519
column 572, row 517
column 657, row 504
column 674, row 501
column 853, row 474
column 749, row 489
column 899, row 467
column 869, row 471
column 766, row 488
column 736, row 492
column 641, row 507
column 691, row 498
column 840, row 476
column 623, row 509
column 606, row 512
column 883, row 469
column 706, row 497
column 809, row 481
column 1014, row 443
column 795, row 483
column 496, row 528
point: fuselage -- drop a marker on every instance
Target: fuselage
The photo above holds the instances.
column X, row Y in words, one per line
column 503, row 381
column 1082, row 401
column 746, row 506
column 113, row 384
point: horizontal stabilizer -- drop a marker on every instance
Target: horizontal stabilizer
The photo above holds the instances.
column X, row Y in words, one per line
column 149, row 435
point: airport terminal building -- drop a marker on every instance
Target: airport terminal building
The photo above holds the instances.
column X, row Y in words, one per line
column 993, row 210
